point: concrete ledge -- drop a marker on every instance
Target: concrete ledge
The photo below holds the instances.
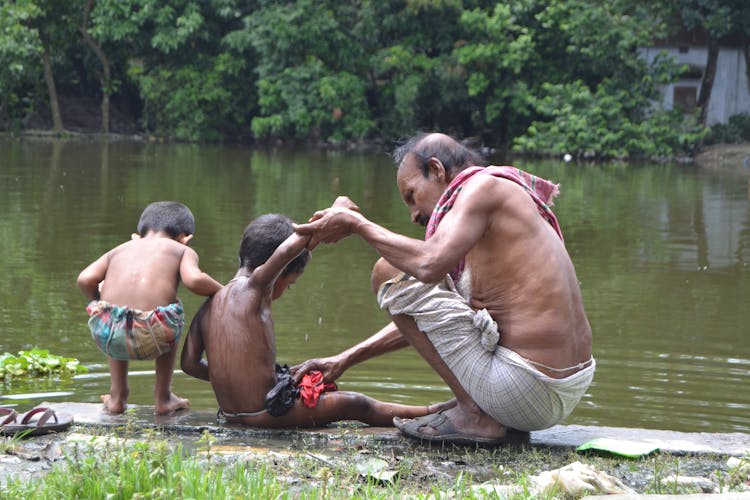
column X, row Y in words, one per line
column 564, row 436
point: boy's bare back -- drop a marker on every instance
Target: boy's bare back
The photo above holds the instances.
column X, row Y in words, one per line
column 145, row 273
column 236, row 329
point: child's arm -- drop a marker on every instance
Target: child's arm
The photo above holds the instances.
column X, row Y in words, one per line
column 89, row 279
column 289, row 249
column 191, row 360
column 194, row 279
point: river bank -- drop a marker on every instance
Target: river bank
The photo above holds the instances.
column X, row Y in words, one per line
column 732, row 156
column 341, row 459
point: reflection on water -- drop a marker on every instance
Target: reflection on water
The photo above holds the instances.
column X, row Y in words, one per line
column 661, row 251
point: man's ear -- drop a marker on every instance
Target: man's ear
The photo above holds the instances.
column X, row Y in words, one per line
column 135, row 236
column 435, row 167
column 185, row 238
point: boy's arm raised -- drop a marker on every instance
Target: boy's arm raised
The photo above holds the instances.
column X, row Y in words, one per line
column 191, row 360
column 193, row 278
column 290, row 248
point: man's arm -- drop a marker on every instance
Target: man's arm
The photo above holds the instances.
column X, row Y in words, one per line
column 191, row 360
column 193, row 278
column 430, row 260
column 386, row 340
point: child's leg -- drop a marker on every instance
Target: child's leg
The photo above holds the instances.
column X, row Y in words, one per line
column 356, row 406
column 117, row 399
column 342, row 405
column 165, row 400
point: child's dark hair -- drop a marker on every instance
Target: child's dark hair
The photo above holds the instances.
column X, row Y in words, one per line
column 172, row 217
column 261, row 239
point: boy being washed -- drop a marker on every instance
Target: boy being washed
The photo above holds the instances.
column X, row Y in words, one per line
column 235, row 330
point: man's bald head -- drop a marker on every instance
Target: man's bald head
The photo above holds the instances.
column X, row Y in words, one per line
column 452, row 154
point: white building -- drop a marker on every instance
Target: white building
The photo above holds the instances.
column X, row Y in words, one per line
column 731, row 91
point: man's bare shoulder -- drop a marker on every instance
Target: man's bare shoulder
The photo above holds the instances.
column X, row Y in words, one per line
column 487, row 192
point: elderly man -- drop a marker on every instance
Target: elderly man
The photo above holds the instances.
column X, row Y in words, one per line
column 490, row 298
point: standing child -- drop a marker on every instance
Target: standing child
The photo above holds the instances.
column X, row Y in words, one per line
column 134, row 310
column 235, row 330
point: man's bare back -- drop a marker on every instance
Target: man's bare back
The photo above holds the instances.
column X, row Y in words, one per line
column 552, row 329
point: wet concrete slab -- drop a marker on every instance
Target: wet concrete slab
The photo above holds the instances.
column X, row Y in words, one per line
column 192, row 422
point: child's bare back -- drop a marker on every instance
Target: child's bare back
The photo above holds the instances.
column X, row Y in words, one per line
column 134, row 310
column 144, row 273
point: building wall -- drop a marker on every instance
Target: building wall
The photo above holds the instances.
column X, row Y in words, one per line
column 730, row 94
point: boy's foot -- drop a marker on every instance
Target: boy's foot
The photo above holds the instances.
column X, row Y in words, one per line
column 174, row 403
column 113, row 405
column 438, row 407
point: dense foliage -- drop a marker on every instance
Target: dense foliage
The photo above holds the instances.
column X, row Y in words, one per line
column 541, row 76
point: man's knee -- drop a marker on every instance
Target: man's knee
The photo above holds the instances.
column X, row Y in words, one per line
column 382, row 271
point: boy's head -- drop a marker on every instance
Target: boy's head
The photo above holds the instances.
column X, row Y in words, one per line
column 172, row 217
column 261, row 239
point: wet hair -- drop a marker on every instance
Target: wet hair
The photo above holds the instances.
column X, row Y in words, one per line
column 172, row 217
column 454, row 155
column 261, row 239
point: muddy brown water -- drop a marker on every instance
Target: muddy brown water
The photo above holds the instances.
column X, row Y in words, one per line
column 661, row 250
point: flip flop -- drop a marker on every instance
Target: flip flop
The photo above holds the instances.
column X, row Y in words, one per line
column 10, row 416
column 447, row 434
column 40, row 425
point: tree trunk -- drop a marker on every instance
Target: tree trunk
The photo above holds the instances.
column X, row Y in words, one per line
column 54, row 104
column 746, row 51
column 105, row 78
column 707, row 84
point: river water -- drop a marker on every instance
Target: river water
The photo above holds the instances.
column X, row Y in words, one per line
column 661, row 251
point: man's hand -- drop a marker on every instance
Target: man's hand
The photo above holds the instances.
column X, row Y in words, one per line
column 329, row 367
column 329, row 225
column 345, row 202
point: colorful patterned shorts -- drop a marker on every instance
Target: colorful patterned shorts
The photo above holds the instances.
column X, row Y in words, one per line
column 124, row 334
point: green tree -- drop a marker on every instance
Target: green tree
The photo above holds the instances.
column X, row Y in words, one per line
column 194, row 82
column 20, row 49
column 310, row 85
column 56, row 26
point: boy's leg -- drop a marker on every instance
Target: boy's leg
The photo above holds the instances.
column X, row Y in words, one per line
column 164, row 400
column 343, row 405
column 117, row 399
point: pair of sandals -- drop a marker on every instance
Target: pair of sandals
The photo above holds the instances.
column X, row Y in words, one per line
column 35, row 422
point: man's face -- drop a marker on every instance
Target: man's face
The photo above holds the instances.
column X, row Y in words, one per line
column 420, row 193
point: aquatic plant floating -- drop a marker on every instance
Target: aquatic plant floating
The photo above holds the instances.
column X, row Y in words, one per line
column 37, row 363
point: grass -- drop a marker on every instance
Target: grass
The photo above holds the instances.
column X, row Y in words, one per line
column 151, row 466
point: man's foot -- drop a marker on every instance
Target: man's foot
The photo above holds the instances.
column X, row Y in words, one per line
column 114, row 405
column 455, row 425
column 173, row 403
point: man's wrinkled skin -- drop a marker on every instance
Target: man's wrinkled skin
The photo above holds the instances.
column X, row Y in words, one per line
column 519, row 271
